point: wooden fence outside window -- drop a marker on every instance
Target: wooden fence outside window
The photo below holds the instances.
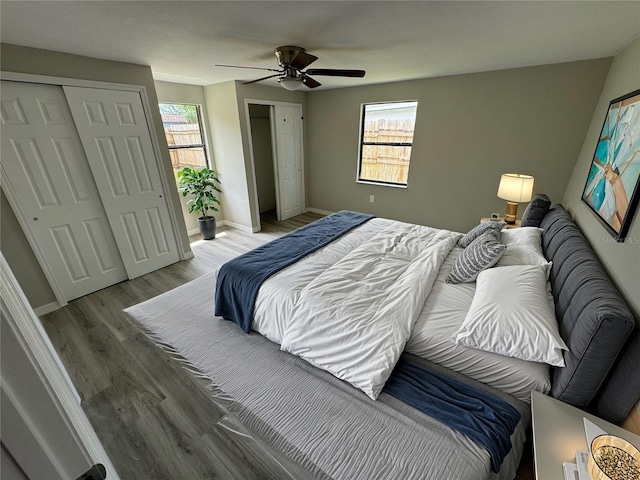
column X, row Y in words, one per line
column 385, row 162
column 185, row 134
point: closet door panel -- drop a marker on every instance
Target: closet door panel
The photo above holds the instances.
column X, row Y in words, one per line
column 115, row 136
column 48, row 172
column 288, row 143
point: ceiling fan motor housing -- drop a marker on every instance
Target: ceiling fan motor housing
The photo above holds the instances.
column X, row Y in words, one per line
column 286, row 54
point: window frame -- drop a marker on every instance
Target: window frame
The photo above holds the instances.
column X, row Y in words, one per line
column 362, row 143
column 205, row 150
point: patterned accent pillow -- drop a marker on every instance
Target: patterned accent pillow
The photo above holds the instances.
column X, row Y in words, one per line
column 481, row 254
column 491, row 226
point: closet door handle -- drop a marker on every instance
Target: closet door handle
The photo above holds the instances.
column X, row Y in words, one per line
column 97, row 472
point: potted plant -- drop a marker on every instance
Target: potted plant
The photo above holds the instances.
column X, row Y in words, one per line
column 201, row 185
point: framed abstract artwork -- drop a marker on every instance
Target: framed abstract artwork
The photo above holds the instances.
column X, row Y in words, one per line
column 612, row 188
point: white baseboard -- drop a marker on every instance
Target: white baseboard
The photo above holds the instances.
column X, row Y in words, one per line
column 196, row 231
column 222, row 223
column 319, row 211
column 48, row 308
column 244, row 228
column 187, row 255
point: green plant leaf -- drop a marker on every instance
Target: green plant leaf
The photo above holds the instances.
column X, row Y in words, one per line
column 202, row 185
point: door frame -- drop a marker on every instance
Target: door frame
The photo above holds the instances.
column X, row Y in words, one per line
column 272, row 103
column 33, row 444
column 184, row 252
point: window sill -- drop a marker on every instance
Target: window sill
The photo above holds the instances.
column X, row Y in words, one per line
column 380, row 184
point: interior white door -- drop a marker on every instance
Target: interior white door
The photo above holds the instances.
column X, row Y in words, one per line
column 43, row 425
column 288, row 147
column 115, row 136
column 46, row 168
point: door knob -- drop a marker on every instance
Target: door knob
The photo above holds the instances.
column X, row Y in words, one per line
column 97, row 472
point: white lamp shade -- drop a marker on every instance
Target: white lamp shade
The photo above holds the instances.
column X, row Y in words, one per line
column 291, row 84
column 515, row 187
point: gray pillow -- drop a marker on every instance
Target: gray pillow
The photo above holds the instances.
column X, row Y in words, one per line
column 482, row 253
column 536, row 210
column 491, row 226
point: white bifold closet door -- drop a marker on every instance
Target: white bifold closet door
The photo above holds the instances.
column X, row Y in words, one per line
column 47, row 170
column 85, row 182
column 115, row 135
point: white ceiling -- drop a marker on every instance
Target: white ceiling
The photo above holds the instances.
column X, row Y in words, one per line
column 391, row 40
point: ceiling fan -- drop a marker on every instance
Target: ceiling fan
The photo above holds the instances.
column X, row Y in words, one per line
column 292, row 61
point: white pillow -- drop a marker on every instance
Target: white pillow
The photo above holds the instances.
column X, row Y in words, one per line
column 525, row 236
column 524, row 247
column 510, row 315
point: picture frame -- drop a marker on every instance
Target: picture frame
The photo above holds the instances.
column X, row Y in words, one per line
column 613, row 182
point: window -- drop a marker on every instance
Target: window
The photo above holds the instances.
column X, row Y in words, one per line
column 183, row 129
column 385, row 142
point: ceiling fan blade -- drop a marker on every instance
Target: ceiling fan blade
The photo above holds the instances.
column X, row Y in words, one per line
column 310, row 82
column 330, row 72
column 260, row 79
column 302, row 60
column 252, row 68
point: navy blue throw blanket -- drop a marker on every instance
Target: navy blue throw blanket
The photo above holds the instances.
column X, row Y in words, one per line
column 485, row 419
column 240, row 279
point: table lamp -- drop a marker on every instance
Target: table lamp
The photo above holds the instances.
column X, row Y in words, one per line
column 515, row 188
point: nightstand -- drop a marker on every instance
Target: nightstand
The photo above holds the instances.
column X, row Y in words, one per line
column 558, row 431
column 501, row 219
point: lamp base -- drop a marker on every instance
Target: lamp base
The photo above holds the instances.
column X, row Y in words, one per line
column 511, row 213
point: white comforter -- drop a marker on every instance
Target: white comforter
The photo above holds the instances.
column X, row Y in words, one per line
column 352, row 315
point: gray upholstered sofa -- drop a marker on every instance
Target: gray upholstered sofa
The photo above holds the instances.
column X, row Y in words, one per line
column 602, row 372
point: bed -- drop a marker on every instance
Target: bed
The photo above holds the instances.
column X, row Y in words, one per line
column 325, row 427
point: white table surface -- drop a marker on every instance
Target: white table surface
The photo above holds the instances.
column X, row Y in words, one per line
column 558, row 431
column 501, row 219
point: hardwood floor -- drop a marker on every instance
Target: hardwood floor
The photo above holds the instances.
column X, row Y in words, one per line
column 155, row 420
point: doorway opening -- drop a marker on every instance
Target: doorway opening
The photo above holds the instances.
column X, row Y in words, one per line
column 275, row 136
column 263, row 161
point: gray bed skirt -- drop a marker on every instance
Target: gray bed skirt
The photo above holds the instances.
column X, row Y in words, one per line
column 315, row 424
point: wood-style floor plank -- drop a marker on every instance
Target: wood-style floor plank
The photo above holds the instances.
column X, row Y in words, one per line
column 155, row 419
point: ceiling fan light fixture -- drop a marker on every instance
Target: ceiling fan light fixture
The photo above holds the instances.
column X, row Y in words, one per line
column 292, row 74
column 291, row 84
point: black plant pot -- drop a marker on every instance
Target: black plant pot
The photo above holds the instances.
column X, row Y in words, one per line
column 207, row 227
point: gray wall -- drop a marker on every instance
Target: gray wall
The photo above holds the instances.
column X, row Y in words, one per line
column 622, row 260
column 23, row 262
column 469, row 130
column 20, row 59
column 226, row 145
column 263, row 156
